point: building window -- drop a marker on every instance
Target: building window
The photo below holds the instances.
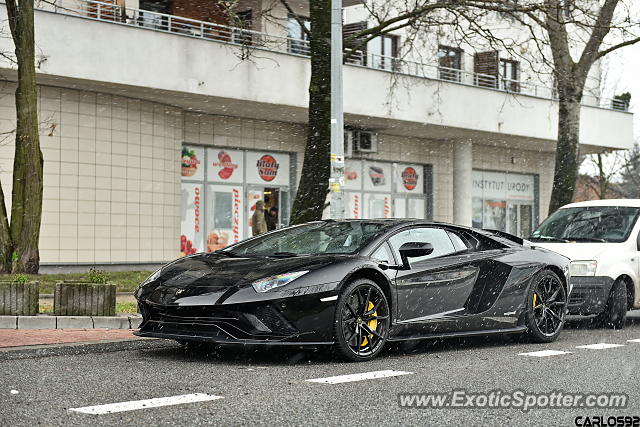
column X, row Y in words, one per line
column 509, row 75
column 383, row 51
column 298, row 38
column 504, row 201
column 450, row 63
column 244, row 23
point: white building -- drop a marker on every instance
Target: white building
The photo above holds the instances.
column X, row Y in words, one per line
column 158, row 136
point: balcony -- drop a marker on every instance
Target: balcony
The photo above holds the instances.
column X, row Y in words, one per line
column 225, row 70
column 249, row 39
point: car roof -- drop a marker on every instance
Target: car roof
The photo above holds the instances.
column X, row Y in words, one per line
column 635, row 203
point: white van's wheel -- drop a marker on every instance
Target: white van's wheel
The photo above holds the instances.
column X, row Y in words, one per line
column 614, row 314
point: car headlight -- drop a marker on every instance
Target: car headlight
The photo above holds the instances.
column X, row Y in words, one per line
column 583, row 268
column 146, row 281
column 264, row 285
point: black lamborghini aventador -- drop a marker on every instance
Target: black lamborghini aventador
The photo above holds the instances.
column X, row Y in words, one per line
column 356, row 284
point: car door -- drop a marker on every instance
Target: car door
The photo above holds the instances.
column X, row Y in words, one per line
column 436, row 286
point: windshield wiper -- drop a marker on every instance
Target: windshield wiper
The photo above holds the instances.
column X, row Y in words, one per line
column 585, row 239
column 549, row 238
column 284, row 254
column 228, row 253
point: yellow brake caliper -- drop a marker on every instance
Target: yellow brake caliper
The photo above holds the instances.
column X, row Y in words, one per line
column 372, row 324
column 534, row 299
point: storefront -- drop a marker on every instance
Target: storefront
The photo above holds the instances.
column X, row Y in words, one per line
column 505, row 201
column 220, row 188
column 375, row 189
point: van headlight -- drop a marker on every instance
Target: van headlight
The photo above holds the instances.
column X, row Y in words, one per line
column 583, row 268
column 264, row 285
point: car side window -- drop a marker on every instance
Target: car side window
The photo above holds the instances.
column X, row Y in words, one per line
column 382, row 254
column 459, row 243
column 438, row 237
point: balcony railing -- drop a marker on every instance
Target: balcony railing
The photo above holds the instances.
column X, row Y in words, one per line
column 249, row 39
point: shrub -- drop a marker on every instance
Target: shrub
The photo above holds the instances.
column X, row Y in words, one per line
column 97, row 276
column 21, row 278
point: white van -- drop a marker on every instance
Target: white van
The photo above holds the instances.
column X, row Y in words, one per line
column 602, row 239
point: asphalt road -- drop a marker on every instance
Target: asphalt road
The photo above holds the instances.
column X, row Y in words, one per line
column 271, row 387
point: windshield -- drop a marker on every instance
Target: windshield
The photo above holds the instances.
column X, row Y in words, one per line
column 588, row 224
column 312, row 239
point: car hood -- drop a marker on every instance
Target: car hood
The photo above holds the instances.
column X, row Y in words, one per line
column 215, row 274
column 576, row 251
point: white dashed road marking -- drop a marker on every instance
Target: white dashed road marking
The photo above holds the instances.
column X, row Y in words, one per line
column 359, row 377
column 636, row 340
column 544, row 353
column 144, row 404
column 599, row 346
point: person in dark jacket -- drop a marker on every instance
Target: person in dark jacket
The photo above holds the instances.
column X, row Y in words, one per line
column 272, row 219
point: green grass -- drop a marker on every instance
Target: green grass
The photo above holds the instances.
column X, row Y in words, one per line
column 126, row 281
column 121, row 307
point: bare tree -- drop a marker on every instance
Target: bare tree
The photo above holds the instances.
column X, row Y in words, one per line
column 19, row 238
column 575, row 34
column 603, row 171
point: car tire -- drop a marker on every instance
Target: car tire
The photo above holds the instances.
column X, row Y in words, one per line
column 614, row 314
column 546, row 307
column 361, row 321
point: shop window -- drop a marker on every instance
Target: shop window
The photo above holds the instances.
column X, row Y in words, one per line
column 449, row 63
column 220, row 188
column 504, row 201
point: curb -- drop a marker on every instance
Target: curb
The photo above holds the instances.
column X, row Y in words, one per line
column 74, row 349
column 70, row 322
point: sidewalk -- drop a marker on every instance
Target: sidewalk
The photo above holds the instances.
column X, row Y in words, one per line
column 28, row 337
column 35, row 343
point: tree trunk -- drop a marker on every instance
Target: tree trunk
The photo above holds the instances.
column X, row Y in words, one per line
column 568, row 150
column 314, row 182
column 26, row 208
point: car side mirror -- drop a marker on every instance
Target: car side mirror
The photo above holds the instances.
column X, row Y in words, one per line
column 638, row 242
column 414, row 250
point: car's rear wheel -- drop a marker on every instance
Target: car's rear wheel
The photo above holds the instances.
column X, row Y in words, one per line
column 546, row 307
column 361, row 325
column 614, row 314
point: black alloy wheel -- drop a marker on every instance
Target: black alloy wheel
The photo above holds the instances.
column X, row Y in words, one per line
column 547, row 307
column 362, row 319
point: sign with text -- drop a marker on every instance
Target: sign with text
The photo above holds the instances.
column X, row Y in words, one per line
column 267, row 168
column 192, row 222
column 225, row 165
column 503, row 186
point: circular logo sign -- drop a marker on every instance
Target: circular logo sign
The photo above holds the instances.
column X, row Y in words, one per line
column 409, row 178
column 267, row 167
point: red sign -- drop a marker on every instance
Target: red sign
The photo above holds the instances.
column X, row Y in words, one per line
column 267, row 167
column 236, row 215
column 227, row 165
column 409, row 178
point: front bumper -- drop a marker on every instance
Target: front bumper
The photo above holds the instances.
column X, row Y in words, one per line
column 303, row 320
column 589, row 294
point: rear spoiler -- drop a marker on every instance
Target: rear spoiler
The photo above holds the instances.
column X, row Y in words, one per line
column 505, row 235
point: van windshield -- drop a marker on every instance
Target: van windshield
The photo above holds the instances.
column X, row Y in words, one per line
column 588, row 224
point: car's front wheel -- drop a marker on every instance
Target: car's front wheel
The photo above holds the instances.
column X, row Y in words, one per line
column 614, row 314
column 546, row 307
column 361, row 325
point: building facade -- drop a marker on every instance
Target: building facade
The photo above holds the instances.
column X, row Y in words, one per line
column 162, row 127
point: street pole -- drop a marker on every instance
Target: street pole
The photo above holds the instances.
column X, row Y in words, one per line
column 336, row 180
